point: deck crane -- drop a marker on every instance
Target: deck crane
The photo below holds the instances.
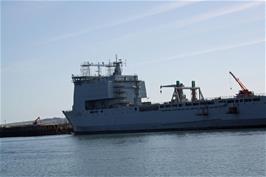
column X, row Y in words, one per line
column 244, row 91
column 36, row 121
column 178, row 95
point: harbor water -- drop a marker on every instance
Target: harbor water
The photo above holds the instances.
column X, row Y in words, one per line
column 191, row 153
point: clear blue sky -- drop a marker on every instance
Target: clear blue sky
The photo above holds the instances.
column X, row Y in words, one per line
column 43, row 43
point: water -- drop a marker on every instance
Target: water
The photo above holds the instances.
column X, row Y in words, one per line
column 220, row 153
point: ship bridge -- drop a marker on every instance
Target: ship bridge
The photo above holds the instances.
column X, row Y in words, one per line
column 106, row 91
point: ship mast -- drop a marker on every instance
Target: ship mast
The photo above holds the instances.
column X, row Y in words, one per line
column 86, row 67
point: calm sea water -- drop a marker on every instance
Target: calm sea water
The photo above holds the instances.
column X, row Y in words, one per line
column 220, row 153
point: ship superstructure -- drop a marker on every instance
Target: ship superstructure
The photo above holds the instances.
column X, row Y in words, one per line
column 113, row 103
column 102, row 92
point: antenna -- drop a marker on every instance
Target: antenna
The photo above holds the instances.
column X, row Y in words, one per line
column 85, row 67
column 116, row 57
column 99, row 69
column 109, row 69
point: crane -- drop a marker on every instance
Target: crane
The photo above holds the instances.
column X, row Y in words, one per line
column 178, row 95
column 36, row 121
column 244, row 91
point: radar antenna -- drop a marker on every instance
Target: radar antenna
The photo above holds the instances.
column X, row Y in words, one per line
column 86, row 67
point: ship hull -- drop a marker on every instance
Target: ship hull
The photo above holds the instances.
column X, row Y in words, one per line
column 131, row 119
column 219, row 125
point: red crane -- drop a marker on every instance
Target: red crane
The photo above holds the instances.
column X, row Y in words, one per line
column 244, row 91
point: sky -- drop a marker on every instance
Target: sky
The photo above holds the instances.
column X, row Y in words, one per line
column 44, row 42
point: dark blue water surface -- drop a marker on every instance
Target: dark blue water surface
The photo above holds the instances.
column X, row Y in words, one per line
column 219, row 153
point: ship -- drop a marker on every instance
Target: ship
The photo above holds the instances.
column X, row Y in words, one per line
column 113, row 103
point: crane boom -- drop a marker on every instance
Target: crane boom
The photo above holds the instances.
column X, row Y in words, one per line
column 243, row 87
column 244, row 91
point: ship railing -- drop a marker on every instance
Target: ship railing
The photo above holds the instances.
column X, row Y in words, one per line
column 232, row 96
column 86, row 78
column 261, row 94
column 77, row 78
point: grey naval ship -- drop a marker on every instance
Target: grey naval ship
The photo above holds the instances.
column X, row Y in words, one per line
column 113, row 103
